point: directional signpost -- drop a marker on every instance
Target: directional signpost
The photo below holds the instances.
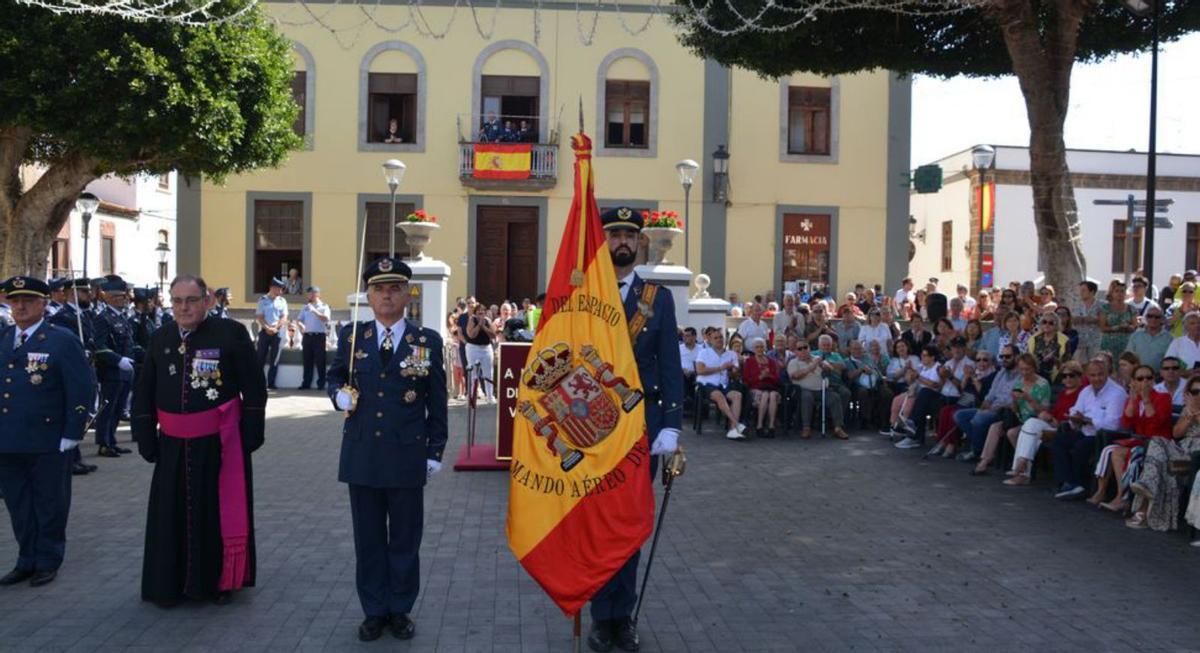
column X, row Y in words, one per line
column 1135, row 218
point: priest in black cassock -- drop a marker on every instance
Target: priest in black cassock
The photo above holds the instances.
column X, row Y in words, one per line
column 198, row 413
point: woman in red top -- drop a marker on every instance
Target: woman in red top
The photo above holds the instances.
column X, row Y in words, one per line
column 1030, row 437
column 762, row 375
column 1147, row 415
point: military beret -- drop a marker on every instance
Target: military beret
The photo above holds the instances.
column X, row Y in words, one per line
column 26, row 287
column 387, row 270
column 276, row 281
column 622, row 217
column 111, row 284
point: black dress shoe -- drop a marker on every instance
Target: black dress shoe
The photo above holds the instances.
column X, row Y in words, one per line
column 371, row 628
column 16, row 576
column 89, row 468
column 304, row 387
column 600, row 639
column 626, row 636
column 107, row 452
column 40, row 578
column 401, row 626
column 79, row 469
column 122, row 450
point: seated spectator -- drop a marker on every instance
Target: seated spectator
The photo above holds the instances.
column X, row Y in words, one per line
column 1030, row 397
column 926, row 402
column 955, row 373
column 917, row 336
column 1064, row 327
column 1046, row 299
column 688, row 350
column 865, row 378
column 943, row 333
column 1126, row 364
column 1150, row 342
column 805, row 372
column 788, row 321
column 817, row 326
column 919, row 304
column 851, row 303
column 847, row 329
column 875, row 330
column 1049, row 348
column 973, row 335
column 1156, row 502
column 899, row 367
column 832, row 366
column 761, row 374
column 1187, row 346
column 958, row 316
column 1172, row 383
column 713, row 375
column 1117, row 320
column 887, row 315
column 975, row 422
column 984, row 308
column 991, row 337
column 754, row 326
column 1147, row 415
column 977, row 381
column 1030, row 438
column 1167, row 296
column 1100, row 405
column 1013, row 334
column 781, row 350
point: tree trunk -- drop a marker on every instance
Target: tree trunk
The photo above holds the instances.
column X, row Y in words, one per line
column 30, row 220
column 1043, row 63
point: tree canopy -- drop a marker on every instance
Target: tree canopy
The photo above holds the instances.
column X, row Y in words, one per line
column 942, row 45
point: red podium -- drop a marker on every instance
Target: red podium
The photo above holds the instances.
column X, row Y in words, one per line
column 475, row 456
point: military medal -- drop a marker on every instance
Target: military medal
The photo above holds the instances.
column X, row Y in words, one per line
column 410, row 396
column 35, row 379
column 171, row 369
column 212, row 394
column 182, row 348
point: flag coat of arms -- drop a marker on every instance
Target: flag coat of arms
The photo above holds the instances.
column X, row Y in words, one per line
column 580, row 498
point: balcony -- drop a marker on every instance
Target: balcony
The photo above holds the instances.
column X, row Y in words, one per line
column 500, row 159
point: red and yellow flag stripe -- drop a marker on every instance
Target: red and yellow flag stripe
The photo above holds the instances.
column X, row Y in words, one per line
column 503, row 160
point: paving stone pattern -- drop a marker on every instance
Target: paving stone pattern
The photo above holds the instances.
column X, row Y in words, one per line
column 770, row 545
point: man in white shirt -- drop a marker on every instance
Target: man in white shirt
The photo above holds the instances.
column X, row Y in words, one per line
column 905, row 294
column 688, row 350
column 712, row 375
column 1187, row 347
column 1099, row 406
column 313, row 321
column 788, row 321
column 1140, row 301
column 754, row 326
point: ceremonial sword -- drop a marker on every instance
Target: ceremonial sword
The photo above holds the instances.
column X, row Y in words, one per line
column 675, row 466
column 348, row 387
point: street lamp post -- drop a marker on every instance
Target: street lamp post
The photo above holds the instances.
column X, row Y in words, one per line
column 1150, row 8
column 687, row 174
column 393, row 172
column 983, row 157
column 164, row 250
column 86, row 205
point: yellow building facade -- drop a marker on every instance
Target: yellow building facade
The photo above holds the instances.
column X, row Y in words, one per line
column 815, row 190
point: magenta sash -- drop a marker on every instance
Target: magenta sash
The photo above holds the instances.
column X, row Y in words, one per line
column 231, row 481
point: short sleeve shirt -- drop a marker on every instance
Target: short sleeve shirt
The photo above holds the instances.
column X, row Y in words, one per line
column 711, row 359
column 272, row 310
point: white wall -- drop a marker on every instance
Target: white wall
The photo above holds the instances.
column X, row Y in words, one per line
column 953, row 202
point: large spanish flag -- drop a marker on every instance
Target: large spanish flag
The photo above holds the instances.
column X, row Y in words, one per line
column 503, row 160
column 580, row 500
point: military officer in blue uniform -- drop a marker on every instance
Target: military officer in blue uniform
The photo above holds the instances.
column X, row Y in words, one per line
column 650, row 314
column 392, row 442
column 43, row 413
column 221, row 301
column 114, row 363
column 77, row 316
column 58, row 295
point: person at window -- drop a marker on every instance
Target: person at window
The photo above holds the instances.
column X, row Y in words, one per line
column 713, row 367
column 491, row 130
column 509, row 134
column 525, row 133
column 392, row 134
column 761, row 374
column 1099, row 406
column 1151, row 341
column 1029, row 437
column 1156, row 502
column 293, row 285
column 1147, row 415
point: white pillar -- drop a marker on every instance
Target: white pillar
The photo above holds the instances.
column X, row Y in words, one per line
column 433, row 277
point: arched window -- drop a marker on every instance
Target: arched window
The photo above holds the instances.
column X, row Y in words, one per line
column 627, row 104
column 392, row 95
column 304, row 81
column 511, row 86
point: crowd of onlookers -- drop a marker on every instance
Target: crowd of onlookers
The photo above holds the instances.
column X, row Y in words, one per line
column 475, row 329
column 1105, row 391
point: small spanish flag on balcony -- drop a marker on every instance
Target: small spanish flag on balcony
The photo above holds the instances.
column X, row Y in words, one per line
column 503, row 160
column 580, row 500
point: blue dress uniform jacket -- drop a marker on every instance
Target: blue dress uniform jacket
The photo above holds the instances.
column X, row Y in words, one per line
column 656, row 350
column 114, row 340
column 47, row 390
column 72, row 319
column 400, row 418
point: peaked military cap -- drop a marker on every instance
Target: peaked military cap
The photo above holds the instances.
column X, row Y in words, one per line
column 276, row 281
column 26, row 287
column 58, row 283
column 113, row 283
column 387, row 270
column 221, row 292
column 622, row 217
column 82, row 283
column 143, row 294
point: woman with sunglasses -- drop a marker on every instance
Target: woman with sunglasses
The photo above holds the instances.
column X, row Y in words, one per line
column 1049, row 347
column 1147, row 415
column 1156, row 494
column 1029, row 439
column 1030, row 396
column 1184, row 303
column 975, row 383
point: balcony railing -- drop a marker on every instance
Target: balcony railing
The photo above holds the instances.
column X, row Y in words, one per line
column 497, row 146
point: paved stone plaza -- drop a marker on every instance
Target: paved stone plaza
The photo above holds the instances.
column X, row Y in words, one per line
column 779, row 545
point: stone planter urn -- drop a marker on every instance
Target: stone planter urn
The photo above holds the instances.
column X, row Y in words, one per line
column 417, row 237
column 661, row 240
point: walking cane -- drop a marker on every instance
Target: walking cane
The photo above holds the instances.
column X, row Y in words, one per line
column 675, row 466
column 824, row 408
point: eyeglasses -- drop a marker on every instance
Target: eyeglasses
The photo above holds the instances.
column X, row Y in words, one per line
column 983, row 360
column 1189, row 292
column 1070, row 375
column 801, row 348
column 1173, row 368
column 190, row 301
column 1143, row 377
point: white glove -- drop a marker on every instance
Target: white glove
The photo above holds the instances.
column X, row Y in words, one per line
column 67, row 444
column 666, row 443
column 432, row 467
column 126, row 365
column 344, row 401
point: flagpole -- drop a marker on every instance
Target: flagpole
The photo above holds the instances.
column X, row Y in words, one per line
column 578, row 634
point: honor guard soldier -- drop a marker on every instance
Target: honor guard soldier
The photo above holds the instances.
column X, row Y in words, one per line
column 77, row 317
column 650, row 314
column 43, row 413
column 5, row 311
column 221, row 303
column 272, row 316
column 390, row 379
column 58, row 295
column 114, row 363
